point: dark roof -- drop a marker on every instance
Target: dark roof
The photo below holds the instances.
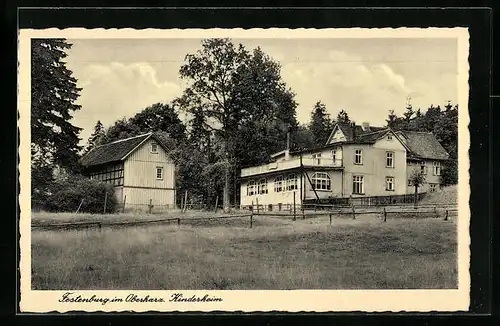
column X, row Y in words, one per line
column 371, row 136
column 112, row 152
column 423, row 145
column 353, row 133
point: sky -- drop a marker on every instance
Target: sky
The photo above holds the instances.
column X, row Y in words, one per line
column 365, row 77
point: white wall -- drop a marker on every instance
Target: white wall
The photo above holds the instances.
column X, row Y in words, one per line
column 140, row 183
column 374, row 170
column 430, row 177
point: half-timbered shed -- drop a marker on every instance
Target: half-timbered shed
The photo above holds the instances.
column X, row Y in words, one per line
column 138, row 167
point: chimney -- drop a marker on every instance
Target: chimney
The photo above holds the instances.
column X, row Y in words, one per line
column 365, row 126
column 353, row 128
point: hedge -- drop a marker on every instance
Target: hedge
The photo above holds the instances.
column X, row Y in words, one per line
column 67, row 195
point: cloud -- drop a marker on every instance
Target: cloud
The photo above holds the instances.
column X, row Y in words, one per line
column 114, row 90
column 367, row 90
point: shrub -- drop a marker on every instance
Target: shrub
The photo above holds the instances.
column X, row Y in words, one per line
column 67, row 194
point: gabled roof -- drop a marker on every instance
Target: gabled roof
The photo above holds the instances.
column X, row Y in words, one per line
column 352, row 133
column 116, row 151
column 423, row 145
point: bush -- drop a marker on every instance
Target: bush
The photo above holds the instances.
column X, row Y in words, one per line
column 67, row 194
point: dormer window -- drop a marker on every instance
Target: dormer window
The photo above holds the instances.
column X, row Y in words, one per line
column 154, row 148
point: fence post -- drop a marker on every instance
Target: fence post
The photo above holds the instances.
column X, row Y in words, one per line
column 294, row 217
column 251, row 220
column 353, row 212
column 257, row 199
column 78, row 209
column 217, row 203
column 178, row 221
column 385, row 215
column 105, row 201
column 435, row 211
column 446, row 216
column 330, row 218
column 185, row 201
column 124, row 201
column 150, row 205
column 303, row 214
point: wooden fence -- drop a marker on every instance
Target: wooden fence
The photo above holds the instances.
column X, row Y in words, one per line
column 435, row 211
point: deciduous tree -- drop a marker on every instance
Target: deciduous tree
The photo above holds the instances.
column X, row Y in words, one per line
column 244, row 101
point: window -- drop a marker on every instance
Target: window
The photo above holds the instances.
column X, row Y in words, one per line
column 410, row 183
column 154, row 147
column 389, row 183
column 357, row 185
column 262, row 187
column 389, row 137
column 389, row 159
column 316, row 159
column 159, row 173
column 291, row 182
column 437, row 168
column 321, row 181
column 334, row 155
column 358, row 156
column 251, row 188
column 423, row 168
column 278, row 184
column 433, row 187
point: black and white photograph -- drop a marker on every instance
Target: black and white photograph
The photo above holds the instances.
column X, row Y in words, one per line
column 240, row 169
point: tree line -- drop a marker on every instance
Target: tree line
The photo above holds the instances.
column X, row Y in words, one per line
column 239, row 112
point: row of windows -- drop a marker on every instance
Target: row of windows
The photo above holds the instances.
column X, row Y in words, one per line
column 280, row 184
column 113, row 177
column 116, row 177
column 358, row 157
column 319, row 180
column 436, row 167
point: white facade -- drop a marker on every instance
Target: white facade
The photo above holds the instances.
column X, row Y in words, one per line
column 346, row 170
column 141, row 182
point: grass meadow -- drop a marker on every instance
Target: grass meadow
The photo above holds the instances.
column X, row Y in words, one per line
column 276, row 253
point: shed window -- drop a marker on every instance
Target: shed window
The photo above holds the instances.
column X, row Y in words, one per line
column 154, row 147
column 159, row 173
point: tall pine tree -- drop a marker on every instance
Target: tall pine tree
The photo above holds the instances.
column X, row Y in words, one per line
column 96, row 136
column 321, row 124
column 343, row 117
column 54, row 139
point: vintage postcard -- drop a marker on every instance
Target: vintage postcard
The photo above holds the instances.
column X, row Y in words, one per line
column 295, row 170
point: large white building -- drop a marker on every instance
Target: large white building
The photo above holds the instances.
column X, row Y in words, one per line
column 357, row 161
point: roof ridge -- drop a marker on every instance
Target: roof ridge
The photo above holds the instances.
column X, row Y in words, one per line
column 121, row 140
column 373, row 132
column 418, row 132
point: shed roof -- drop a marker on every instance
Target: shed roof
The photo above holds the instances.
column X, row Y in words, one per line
column 423, row 145
column 115, row 151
